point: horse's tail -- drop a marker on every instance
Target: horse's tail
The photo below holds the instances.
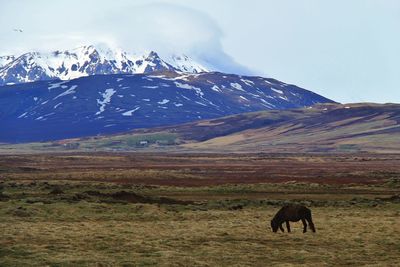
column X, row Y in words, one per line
column 310, row 221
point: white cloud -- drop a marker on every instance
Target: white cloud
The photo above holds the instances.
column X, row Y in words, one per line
column 165, row 28
column 345, row 50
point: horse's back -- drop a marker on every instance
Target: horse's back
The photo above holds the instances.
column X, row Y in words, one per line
column 294, row 212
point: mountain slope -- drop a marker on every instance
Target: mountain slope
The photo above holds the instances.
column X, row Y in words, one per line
column 87, row 61
column 323, row 128
column 106, row 104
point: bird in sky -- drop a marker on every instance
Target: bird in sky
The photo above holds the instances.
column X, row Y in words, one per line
column 18, row 30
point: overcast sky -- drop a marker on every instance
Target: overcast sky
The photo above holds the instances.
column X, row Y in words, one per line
column 347, row 50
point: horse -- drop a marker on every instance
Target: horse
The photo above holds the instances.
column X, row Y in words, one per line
column 292, row 213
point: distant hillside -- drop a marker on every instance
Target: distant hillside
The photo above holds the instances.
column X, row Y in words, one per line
column 330, row 128
column 323, row 128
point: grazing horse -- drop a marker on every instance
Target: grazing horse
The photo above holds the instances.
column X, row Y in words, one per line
column 292, row 213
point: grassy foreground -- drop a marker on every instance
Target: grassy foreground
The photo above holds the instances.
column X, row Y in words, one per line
column 100, row 224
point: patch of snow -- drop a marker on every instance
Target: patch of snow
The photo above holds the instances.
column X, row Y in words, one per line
column 56, row 106
column 248, row 82
column 197, row 102
column 267, row 103
column 163, row 102
column 237, row 86
column 130, row 112
column 56, row 85
column 67, row 92
column 277, row 91
column 108, row 93
column 267, row 81
column 190, row 87
column 22, row 115
column 216, row 89
column 185, row 64
column 255, row 95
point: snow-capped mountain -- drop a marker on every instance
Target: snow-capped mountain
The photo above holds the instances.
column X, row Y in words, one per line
column 87, row 61
column 105, row 104
column 4, row 60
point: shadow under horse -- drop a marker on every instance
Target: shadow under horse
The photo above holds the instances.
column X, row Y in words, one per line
column 292, row 213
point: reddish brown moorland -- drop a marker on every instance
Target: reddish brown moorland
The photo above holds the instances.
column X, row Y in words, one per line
column 203, row 169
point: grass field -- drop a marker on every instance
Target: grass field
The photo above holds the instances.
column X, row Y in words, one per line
column 101, row 220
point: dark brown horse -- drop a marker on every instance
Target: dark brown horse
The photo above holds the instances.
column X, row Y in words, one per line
column 292, row 213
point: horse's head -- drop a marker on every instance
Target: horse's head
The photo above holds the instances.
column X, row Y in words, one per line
column 274, row 225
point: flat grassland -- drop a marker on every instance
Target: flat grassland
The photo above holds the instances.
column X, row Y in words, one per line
column 197, row 209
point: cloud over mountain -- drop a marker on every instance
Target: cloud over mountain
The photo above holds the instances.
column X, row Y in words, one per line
column 165, row 28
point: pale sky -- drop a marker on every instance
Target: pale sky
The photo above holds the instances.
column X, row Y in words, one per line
column 347, row 50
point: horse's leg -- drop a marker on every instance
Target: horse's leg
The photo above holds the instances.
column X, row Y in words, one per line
column 310, row 222
column 280, row 227
column 305, row 225
column 288, row 226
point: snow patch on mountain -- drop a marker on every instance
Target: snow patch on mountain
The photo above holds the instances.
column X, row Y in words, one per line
column 185, row 64
column 108, row 93
column 190, row 87
column 130, row 112
column 277, row 91
column 237, row 86
column 67, row 92
column 216, row 88
column 163, row 102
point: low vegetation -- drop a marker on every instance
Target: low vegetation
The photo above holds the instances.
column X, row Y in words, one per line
column 69, row 210
column 101, row 224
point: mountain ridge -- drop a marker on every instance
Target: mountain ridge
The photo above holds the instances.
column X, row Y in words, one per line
column 86, row 61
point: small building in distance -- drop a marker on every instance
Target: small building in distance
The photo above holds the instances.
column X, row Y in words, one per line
column 143, row 143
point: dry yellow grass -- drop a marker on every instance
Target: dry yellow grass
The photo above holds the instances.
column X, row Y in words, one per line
column 109, row 235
